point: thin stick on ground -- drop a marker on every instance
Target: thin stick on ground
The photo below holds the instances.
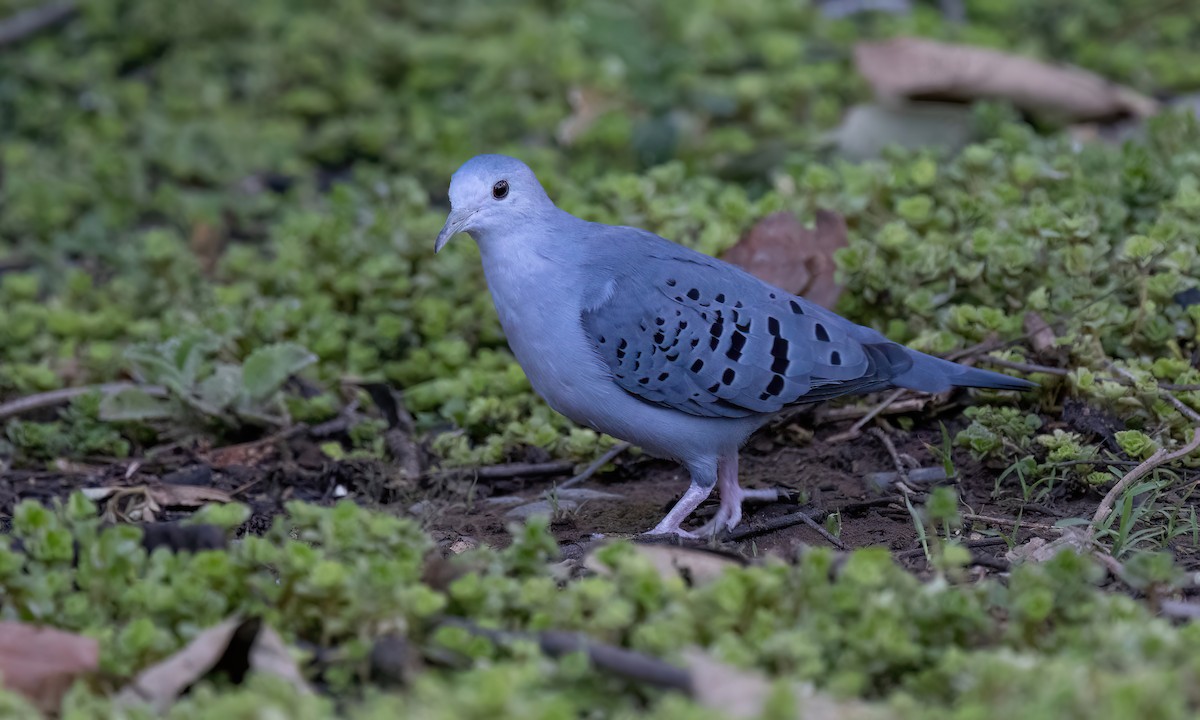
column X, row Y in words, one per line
column 24, row 24
column 970, row 545
column 856, row 429
column 1160, row 457
column 834, row 540
column 599, row 462
column 54, row 398
column 1024, row 367
column 1009, row 522
column 827, row 416
column 1124, row 377
column 508, row 470
column 609, row 658
column 1178, row 404
column 1180, row 609
column 901, row 468
column 806, row 517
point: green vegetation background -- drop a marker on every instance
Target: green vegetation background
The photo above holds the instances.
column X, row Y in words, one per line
column 316, row 139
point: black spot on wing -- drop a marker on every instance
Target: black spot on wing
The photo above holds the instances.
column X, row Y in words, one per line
column 779, row 353
column 737, row 341
column 821, row 333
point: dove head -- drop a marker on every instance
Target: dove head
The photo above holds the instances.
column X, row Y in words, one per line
column 491, row 193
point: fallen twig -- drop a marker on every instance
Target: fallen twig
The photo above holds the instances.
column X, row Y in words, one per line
column 783, row 521
column 1180, row 609
column 982, row 348
column 918, row 476
column 346, row 418
column 609, row 658
column 20, row 406
column 1179, row 405
column 600, row 462
column 901, row 468
column 1178, row 388
column 1124, row 377
column 854, row 412
column 1113, row 565
column 32, row 21
column 1024, row 367
column 508, row 470
column 1010, row 522
column 1160, row 457
column 970, row 545
column 834, row 540
column 856, row 429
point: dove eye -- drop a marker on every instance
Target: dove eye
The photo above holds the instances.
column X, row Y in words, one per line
column 500, row 190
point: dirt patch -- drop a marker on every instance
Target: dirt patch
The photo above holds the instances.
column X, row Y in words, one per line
column 825, row 474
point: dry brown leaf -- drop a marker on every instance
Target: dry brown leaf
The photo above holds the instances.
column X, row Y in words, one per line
column 250, row 454
column 927, row 69
column 697, row 566
column 207, row 242
column 868, row 129
column 237, row 642
column 42, row 663
column 738, row 693
column 780, row 251
column 587, row 105
column 187, row 496
column 1041, row 335
column 1038, row 550
column 270, row 654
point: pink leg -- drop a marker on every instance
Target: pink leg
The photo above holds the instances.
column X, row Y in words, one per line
column 670, row 524
column 729, row 514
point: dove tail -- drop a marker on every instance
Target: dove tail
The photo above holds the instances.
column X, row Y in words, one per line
column 931, row 374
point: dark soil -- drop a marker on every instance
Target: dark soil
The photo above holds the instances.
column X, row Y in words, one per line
column 824, row 475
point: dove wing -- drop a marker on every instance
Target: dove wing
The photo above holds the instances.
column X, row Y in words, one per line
column 710, row 340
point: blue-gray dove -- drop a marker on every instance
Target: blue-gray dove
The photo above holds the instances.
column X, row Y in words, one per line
column 670, row 349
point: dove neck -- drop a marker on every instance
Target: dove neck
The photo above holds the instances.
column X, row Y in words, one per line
column 549, row 236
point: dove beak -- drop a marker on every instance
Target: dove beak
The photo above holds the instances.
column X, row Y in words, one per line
column 456, row 223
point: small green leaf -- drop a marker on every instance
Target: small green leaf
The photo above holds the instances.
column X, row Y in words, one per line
column 333, row 450
column 267, row 368
column 222, row 387
column 1136, row 444
column 133, row 404
column 188, row 353
column 155, row 369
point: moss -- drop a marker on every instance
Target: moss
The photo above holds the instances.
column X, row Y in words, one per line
column 335, row 577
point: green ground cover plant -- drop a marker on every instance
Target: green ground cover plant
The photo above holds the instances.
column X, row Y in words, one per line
column 334, row 578
column 230, row 207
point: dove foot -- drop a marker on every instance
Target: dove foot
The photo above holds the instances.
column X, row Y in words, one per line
column 687, row 504
column 729, row 514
